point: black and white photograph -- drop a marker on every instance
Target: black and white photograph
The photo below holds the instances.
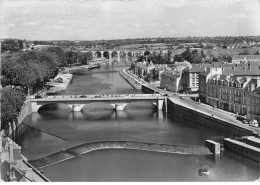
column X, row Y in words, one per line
column 130, row 91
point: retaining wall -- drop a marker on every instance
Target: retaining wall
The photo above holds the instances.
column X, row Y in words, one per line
column 147, row 90
column 25, row 111
column 130, row 80
column 203, row 119
column 243, row 149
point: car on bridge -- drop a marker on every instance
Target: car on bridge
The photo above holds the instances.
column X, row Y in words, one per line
column 83, row 96
column 38, row 96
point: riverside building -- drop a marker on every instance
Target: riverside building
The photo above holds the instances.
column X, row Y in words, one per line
column 253, row 104
column 245, row 59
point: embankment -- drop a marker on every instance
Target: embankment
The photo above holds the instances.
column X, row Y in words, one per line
column 199, row 117
column 100, row 145
column 133, row 82
column 25, row 111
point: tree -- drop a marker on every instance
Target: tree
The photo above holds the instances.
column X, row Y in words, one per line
column 244, row 52
column 11, row 104
column 257, row 53
column 178, row 58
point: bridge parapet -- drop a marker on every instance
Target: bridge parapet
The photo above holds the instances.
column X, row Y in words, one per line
column 118, row 101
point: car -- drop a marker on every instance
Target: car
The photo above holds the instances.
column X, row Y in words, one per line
column 83, row 96
column 245, row 122
column 38, row 96
column 253, row 123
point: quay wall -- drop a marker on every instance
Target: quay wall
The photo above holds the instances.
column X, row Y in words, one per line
column 15, row 126
column 243, row 149
column 147, row 90
column 129, row 79
column 133, row 145
column 204, row 119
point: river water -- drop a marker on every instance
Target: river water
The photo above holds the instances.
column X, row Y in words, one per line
column 51, row 131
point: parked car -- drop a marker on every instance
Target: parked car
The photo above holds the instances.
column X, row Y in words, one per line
column 253, row 123
column 245, row 122
column 38, row 96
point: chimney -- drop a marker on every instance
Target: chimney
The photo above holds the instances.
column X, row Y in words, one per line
column 13, row 164
column 11, row 150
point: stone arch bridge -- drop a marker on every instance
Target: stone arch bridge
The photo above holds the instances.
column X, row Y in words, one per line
column 77, row 102
column 125, row 52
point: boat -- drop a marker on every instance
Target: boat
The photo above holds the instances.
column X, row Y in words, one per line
column 51, row 92
column 204, row 170
column 94, row 66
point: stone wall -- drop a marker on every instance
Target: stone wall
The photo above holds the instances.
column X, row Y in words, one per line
column 147, row 90
column 203, row 119
column 25, row 111
column 130, row 80
column 243, row 149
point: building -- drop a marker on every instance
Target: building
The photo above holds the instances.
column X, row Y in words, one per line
column 245, row 59
column 253, row 104
column 229, row 92
column 171, row 79
column 203, row 79
column 191, row 76
column 14, row 166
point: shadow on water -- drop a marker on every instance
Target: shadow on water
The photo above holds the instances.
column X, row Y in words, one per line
column 140, row 110
column 54, row 111
column 97, row 110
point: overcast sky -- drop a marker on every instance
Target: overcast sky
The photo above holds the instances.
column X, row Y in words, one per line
column 119, row 19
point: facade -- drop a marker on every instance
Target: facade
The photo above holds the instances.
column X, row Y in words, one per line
column 171, row 79
column 229, row 92
column 203, row 79
column 253, row 105
column 240, row 59
column 191, row 76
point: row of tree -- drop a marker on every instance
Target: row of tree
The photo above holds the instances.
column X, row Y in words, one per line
column 156, row 58
column 192, row 56
column 78, row 58
column 11, row 103
column 29, row 70
column 11, row 45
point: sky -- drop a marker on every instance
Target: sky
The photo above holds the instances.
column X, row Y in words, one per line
column 121, row 19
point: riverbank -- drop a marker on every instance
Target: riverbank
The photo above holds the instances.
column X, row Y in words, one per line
column 197, row 112
column 60, row 86
column 134, row 83
column 101, row 145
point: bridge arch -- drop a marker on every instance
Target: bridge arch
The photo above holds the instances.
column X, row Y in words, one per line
column 54, row 106
column 106, row 55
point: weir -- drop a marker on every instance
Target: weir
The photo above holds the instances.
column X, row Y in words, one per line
column 133, row 145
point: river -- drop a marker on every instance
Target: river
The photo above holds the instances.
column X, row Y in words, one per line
column 51, row 131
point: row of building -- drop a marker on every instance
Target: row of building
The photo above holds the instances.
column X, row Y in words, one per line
column 14, row 166
column 233, row 87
